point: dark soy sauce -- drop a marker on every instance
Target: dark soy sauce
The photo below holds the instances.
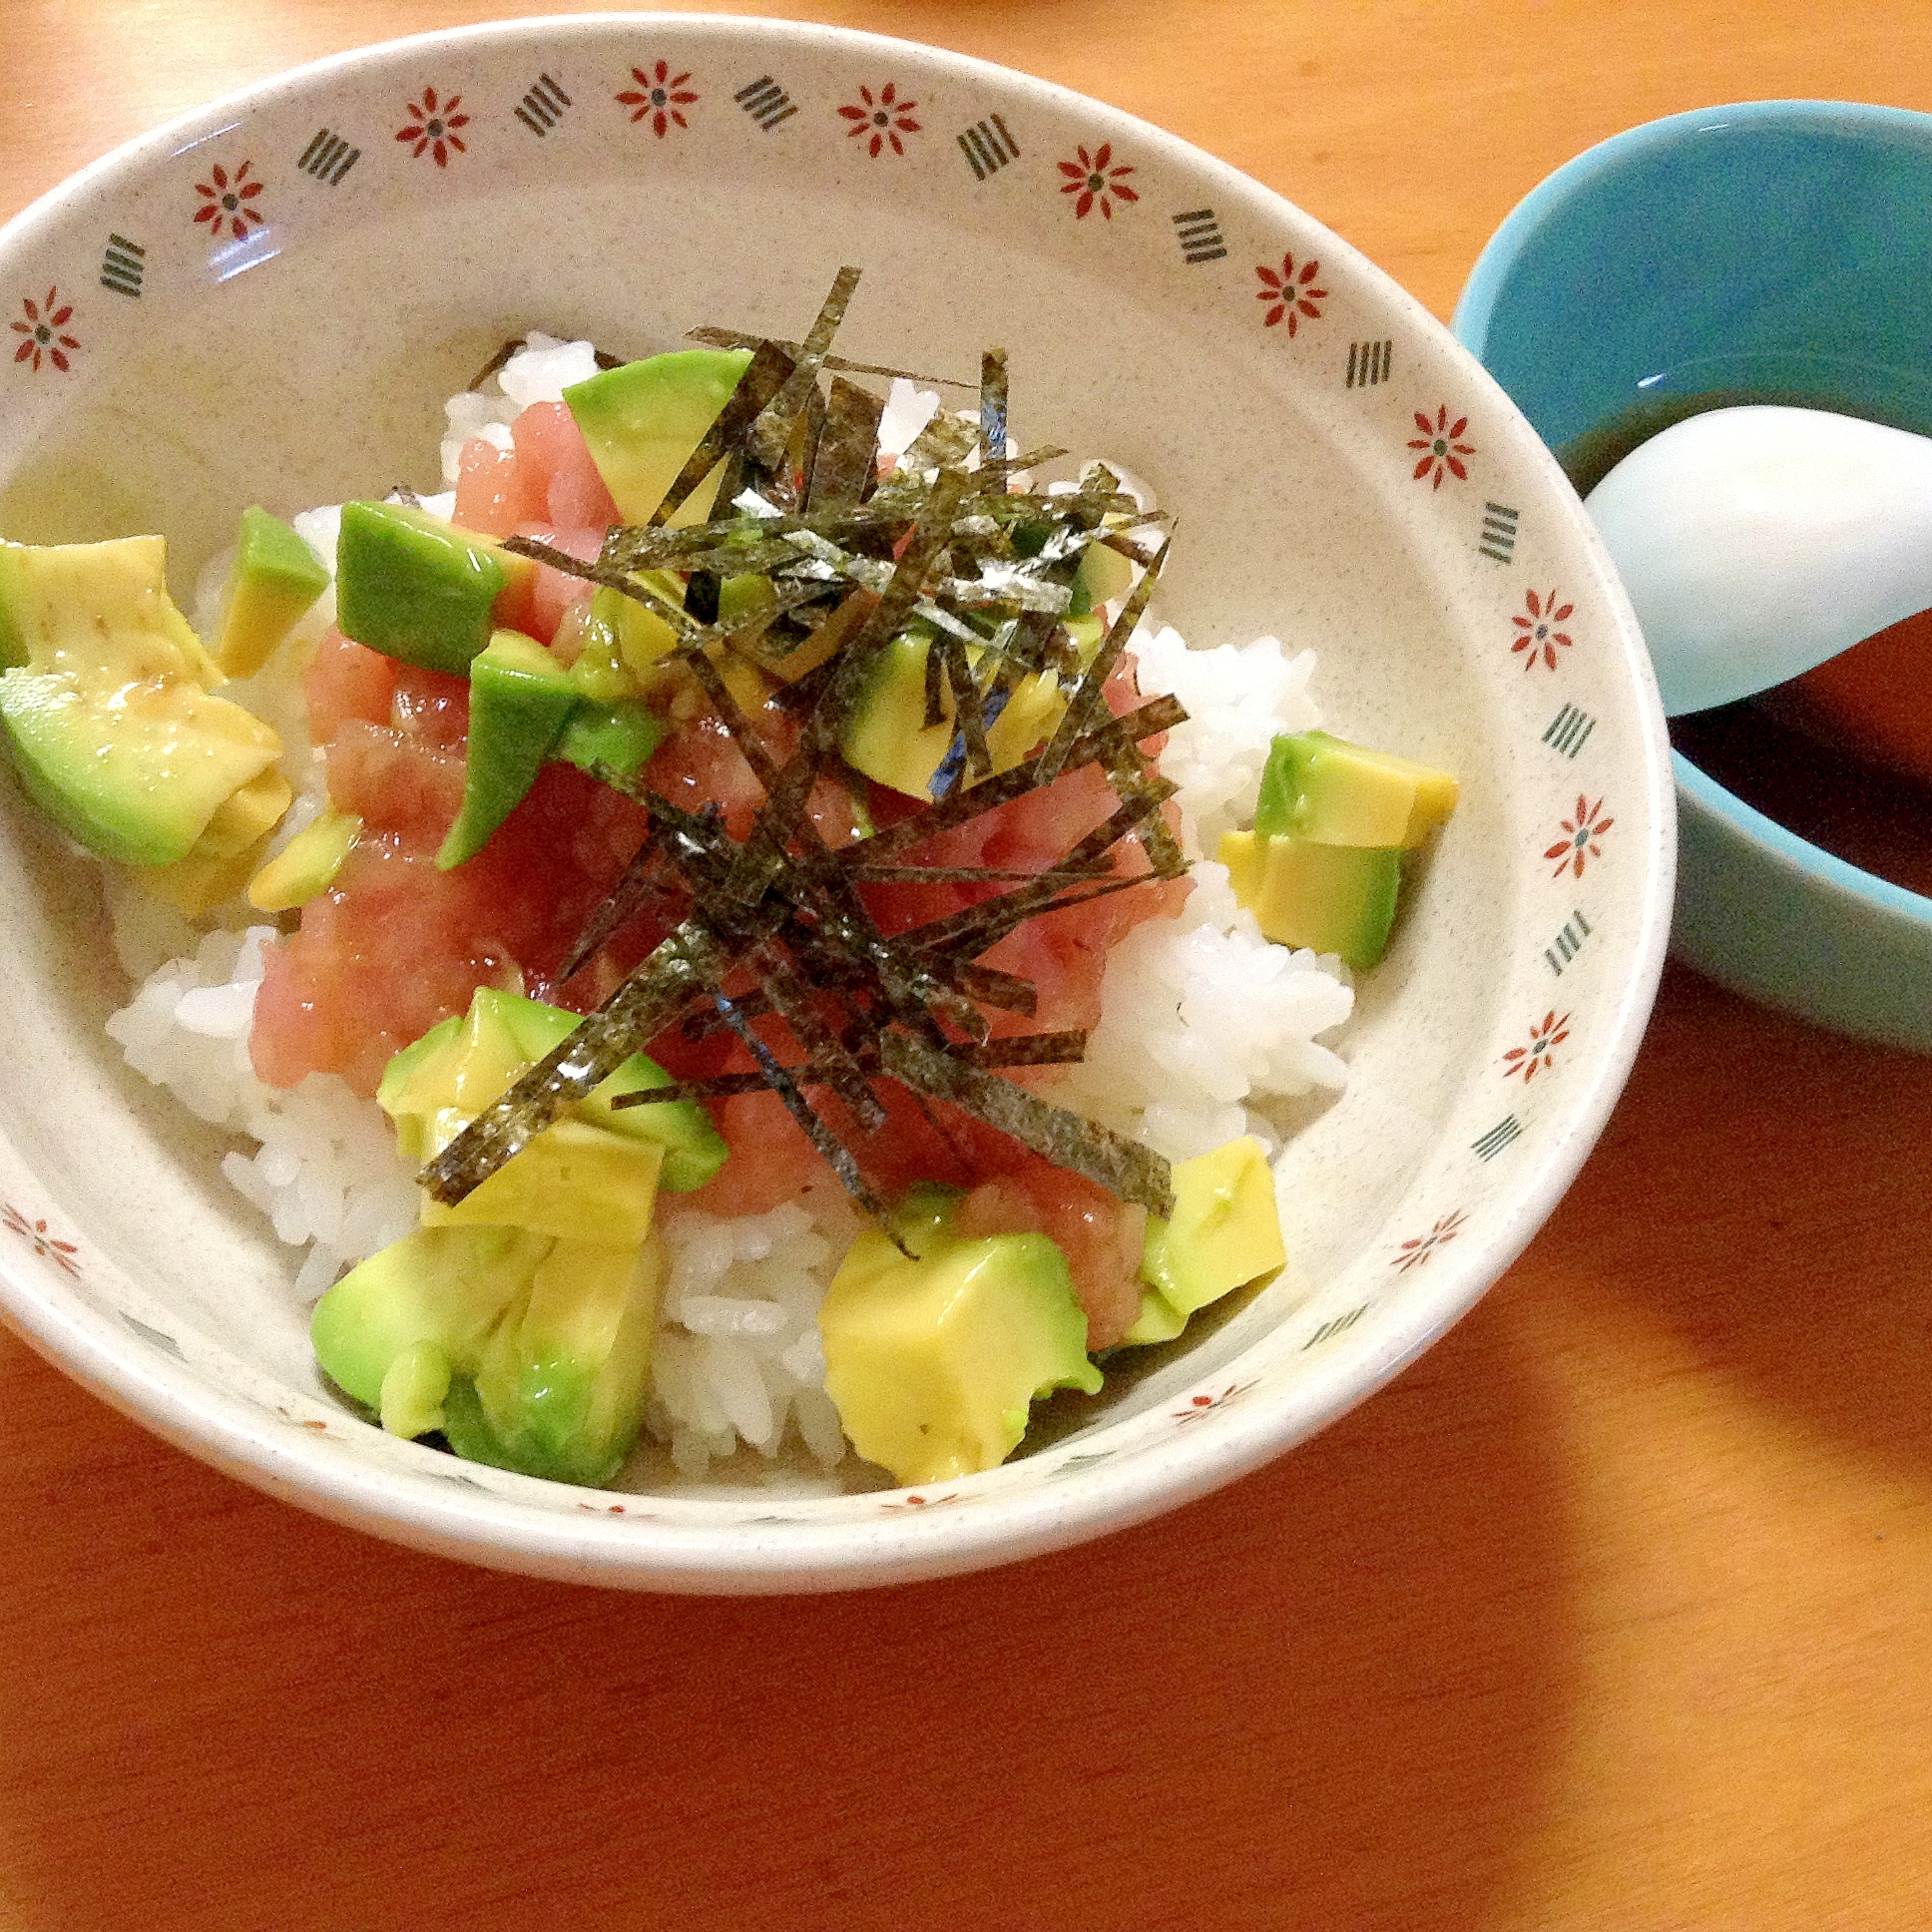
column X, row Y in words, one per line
column 1759, row 750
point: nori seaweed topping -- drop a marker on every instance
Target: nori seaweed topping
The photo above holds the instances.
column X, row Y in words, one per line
column 774, row 428
column 992, row 406
column 731, row 338
column 774, row 941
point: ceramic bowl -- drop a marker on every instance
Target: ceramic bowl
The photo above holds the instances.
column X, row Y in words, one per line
column 1774, row 249
column 1344, row 475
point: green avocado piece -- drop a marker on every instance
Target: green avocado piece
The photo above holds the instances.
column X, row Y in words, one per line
column 559, row 1390
column 447, row 1288
column 414, row 587
column 521, row 698
column 307, row 865
column 276, row 576
column 620, row 735
column 1102, row 576
column 932, row 1363
column 1225, row 1231
column 528, row 1351
column 887, row 737
column 921, row 1216
column 1337, row 793
column 643, row 420
column 105, row 706
column 434, row 1086
column 1329, row 898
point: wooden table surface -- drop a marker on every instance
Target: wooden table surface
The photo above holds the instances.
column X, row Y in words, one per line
column 1612, row 1612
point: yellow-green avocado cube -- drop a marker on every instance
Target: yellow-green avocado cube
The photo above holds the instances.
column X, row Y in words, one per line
column 1329, row 898
column 888, row 738
column 1225, row 1233
column 307, row 865
column 275, row 578
column 104, row 700
column 933, row 1363
column 1324, row 788
column 521, row 698
column 643, row 421
column 592, row 1174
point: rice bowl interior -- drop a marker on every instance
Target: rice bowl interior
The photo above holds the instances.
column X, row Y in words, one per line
column 309, row 361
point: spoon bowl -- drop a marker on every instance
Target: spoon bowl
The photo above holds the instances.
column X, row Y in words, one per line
column 1757, row 543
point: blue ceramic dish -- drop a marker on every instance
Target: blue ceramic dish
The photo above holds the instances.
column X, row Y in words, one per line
column 1776, row 248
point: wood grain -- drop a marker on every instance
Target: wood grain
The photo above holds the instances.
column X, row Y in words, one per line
column 1610, row 1614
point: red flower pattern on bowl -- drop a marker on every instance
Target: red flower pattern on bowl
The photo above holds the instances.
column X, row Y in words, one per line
column 1579, row 842
column 432, row 127
column 35, row 1234
column 883, row 117
column 657, row 98
column 1289, row 293
column 1442, row 451
column 1099, row 180
column 1537, row 633
column 40, row 326
column 1545, row 1037
column 227, row 202
column 1413, row 1254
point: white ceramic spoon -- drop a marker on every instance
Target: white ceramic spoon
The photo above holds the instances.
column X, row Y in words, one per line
column 1757, row 543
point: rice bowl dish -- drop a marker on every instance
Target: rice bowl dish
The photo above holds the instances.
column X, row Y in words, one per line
column 1204, row 1026
column 125, row 1254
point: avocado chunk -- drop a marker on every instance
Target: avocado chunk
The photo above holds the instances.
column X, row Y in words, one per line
column 218, row 864
column 276, row 576
column 887, row 736
column 415, row 588
column 643, row 420
column 1225, row 1231
column 1329, row 898
column 437, row 1084
column 306, row 865
column 559, row 1389
column 933, row 1362
column 438, row 1287
column 528, row 1352
column 574, row 1180
column 1324, row 788
column 521, row 698
column 621, row 735
column 622, row 641
column 1102, row 576
column 105, row 706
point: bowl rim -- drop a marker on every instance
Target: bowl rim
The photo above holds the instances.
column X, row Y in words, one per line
column 1475, row 309
column 222, row 1427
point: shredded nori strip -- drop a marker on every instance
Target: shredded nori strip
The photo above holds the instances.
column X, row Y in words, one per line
column 731, row 338
column 1064, row 1049
column 992, row 406
column 775, row 939
column 1089, row 699
column 846, row 463
column 1068, row 1139
column 773, row 431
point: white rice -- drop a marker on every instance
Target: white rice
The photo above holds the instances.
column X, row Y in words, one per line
column 738, row 1358
column 324, row 1169
column 1204, row 1024
column 1237, row 699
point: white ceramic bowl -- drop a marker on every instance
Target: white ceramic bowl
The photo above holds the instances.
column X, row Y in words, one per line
column 1344, row 474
